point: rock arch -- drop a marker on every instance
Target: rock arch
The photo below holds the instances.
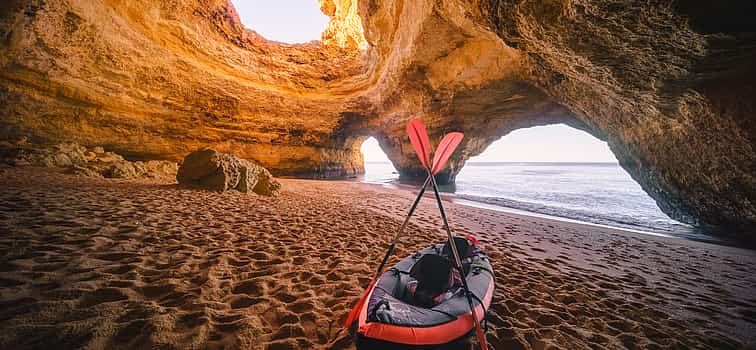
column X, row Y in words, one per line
column 668, row 87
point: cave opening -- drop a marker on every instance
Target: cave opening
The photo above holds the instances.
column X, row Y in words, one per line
column 286, row 21
column 563, row 172
column 378, row 167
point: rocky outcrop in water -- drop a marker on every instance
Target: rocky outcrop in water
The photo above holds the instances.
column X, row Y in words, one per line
column 670, row 87
column 215, row 171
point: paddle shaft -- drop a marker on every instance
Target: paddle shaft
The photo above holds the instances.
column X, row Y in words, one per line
column 401, row 228
column 458, row 261
column 355, row 310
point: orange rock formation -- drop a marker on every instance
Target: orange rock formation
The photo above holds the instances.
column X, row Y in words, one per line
column 669, row 87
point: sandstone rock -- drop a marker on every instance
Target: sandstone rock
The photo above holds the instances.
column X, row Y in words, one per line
column 160, row 169
column 114, row 166
column 215, row 171
column 199, row 165
column 83, row 171
column 121, row 170
column 108, row 157
column 62, row 160
column 266, row 183
column 670, row 87
column 76, row 159
column 73, row 151
column 90, row 156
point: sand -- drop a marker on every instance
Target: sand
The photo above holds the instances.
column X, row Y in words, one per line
column 115, row 264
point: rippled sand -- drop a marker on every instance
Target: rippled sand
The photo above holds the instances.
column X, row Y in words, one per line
column 107, row 264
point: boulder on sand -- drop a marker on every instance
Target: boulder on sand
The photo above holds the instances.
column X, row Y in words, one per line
column 215, row 171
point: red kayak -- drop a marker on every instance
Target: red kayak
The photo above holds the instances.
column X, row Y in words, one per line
column 388, row 320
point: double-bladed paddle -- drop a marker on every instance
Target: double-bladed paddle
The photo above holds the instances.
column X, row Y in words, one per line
column 421, row 144
column 444, row 150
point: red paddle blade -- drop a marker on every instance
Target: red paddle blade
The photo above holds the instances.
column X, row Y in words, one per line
column 357, row 307
column 420, row 142
column 445, row 149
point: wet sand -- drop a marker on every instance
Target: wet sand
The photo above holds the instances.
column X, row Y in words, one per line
column 107, row 264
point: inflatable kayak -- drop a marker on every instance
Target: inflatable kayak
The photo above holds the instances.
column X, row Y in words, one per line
column 388, row 320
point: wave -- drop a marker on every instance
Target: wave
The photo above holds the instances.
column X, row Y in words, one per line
column 610, row 219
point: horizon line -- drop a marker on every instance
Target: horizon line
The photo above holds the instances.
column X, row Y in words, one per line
column 491, row 162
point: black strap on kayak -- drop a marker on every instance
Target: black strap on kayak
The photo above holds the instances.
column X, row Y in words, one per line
column 377, row 307
column 485, row 312
column 482, row 267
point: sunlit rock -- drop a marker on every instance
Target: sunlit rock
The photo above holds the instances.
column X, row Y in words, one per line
column 215, row 171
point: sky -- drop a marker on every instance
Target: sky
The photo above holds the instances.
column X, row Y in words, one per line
column 552, row 143
column 372, row 152
column 289, row 21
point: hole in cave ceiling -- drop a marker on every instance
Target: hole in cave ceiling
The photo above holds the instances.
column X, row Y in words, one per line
column 287, row 21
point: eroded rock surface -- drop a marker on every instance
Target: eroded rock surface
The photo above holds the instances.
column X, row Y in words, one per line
column 670, row 87
column 76, row 159
column 215, row 171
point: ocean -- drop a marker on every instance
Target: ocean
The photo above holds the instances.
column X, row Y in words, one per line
column 594, row 193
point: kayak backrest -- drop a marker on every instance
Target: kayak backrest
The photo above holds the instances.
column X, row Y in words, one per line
column 464, row 248
column 432, row 275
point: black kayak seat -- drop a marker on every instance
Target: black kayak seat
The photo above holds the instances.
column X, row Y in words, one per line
column 464, row 248
column 432, row 275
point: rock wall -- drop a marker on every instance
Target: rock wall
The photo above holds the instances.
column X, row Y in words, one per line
column 670, row 87
column 156, row 80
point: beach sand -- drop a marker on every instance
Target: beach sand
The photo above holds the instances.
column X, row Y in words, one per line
column 108, row 264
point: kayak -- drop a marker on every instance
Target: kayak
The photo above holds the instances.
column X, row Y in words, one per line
column 388, row 321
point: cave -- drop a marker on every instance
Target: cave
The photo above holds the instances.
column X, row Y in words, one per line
column 669, row 89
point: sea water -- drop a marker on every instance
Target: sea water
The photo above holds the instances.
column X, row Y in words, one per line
column 597, row 193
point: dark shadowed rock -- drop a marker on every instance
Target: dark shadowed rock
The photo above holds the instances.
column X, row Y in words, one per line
column 215, row 171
